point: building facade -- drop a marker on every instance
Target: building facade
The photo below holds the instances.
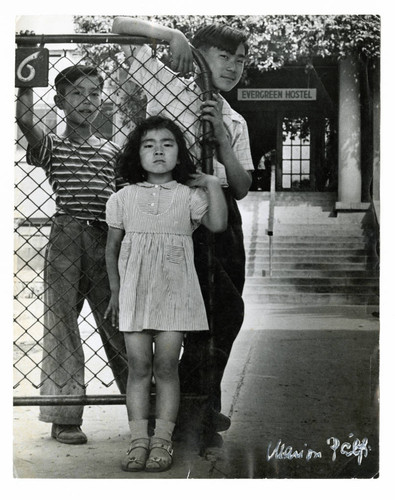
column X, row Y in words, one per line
column 322, row 120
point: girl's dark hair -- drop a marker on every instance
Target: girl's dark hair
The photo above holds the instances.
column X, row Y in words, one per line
column 128, row 161
column 221, row 36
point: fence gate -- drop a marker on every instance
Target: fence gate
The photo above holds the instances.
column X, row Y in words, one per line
column 39, row 59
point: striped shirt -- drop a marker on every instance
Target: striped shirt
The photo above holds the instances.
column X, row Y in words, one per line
column 82, row 176
column 180, row 100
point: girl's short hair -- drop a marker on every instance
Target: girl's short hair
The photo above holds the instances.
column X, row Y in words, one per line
column 221, row 36
column 128, row 161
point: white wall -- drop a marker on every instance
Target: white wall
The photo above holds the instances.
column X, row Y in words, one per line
column 51, row 24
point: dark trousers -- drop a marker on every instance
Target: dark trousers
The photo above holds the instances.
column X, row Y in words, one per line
column 75, row 271
column 206, row 354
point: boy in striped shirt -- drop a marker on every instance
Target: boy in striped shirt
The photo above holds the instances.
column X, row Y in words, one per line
column 79, row 167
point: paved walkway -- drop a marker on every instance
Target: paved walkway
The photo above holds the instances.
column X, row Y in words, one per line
column 303, row 377
column 296, row 379
column 301, row 383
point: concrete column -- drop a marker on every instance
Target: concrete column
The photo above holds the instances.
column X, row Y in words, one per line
column 376, row 139
column 349, row 175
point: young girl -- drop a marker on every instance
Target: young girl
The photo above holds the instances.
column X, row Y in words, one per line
column 156, row 296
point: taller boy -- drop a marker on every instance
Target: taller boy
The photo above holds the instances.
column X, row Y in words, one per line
column 224, row 49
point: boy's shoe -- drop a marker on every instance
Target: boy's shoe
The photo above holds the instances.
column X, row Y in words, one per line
column 214, row 441
column 68, row 434
column 220, row 422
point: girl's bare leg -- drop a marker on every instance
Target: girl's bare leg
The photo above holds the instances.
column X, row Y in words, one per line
column 167, row 352
column 139, row 352
column 166, row 357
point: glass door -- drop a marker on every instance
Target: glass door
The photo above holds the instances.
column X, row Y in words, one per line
column 295, row 154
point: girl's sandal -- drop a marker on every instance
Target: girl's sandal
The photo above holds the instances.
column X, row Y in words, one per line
column 159, row 461
column 134, row 462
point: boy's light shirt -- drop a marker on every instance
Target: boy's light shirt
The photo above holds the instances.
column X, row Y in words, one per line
column 179, row 99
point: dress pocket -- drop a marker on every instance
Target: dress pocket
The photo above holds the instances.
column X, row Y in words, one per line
column 175, row 272
column 174, row 254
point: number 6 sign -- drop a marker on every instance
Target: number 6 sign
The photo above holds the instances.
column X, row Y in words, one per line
column 31, row 67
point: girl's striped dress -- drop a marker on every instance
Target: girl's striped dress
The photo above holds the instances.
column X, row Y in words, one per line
column 159, row 288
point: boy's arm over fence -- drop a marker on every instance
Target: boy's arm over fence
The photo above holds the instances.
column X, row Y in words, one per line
column 182, row 58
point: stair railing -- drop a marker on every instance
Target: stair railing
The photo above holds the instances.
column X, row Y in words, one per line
column 271, row 157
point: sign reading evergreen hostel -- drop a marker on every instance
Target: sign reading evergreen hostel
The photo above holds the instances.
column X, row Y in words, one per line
column 277, row 94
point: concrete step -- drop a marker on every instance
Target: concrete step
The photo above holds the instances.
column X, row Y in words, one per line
column 303, row 216
column 299, row 239
column 293, row 197
column 360, row 281
column 314, row 273
column 312, row 204
column 312, row 298
column 311, row 289
column 311, row 259
column 289, row 222
column 335, row 267
column 310, row 251
column 316, row 226
column 310, row 231
column 260, row 243
column 318, row 256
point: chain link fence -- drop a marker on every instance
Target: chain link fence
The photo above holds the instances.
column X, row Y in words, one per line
column 124, row 104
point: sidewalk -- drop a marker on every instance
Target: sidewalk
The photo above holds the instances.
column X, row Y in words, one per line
column 297, row 377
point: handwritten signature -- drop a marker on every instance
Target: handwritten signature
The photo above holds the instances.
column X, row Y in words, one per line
column 355, row 447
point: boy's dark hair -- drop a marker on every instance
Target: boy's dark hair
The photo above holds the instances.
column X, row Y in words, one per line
column 128, row 161
column 70, row 74
column 220, row 36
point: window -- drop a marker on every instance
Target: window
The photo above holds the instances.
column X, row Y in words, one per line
column 295, row 153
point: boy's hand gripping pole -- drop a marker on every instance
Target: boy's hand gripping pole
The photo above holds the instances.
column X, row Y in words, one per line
column 207, row 163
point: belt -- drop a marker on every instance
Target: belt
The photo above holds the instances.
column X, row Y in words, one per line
column 84, row 222
column 92, row 222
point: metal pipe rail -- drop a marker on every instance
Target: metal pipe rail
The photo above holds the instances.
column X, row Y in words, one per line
column 110, row 399
column 89, row 38
column 272, row 201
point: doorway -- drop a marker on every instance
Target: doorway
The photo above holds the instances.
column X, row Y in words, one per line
column 295, row 154
column 307, row 153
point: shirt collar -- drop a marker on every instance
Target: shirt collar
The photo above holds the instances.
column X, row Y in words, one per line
column 167, row 185
column 229, row 112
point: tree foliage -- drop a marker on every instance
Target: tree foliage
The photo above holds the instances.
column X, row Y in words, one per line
column 274, row 40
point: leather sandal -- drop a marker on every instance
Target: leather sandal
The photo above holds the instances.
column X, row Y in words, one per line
column 159, row 462
column 133, row 462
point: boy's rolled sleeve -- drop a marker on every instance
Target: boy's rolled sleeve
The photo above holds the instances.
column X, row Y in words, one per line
column 241, row 146
column 41, row 154
column 238, row 134
column 148, row 72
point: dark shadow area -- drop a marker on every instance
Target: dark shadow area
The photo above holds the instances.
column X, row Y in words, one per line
column 314, row 390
